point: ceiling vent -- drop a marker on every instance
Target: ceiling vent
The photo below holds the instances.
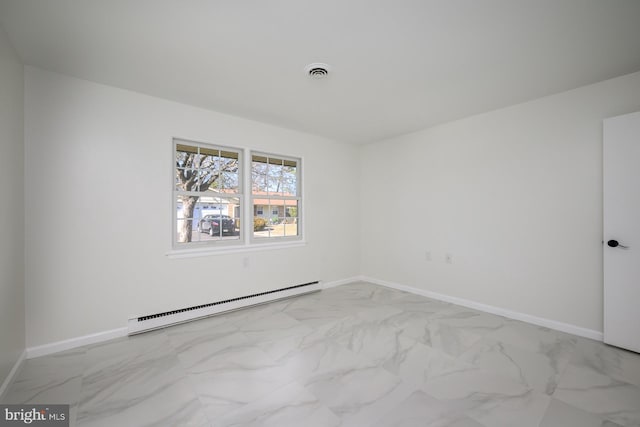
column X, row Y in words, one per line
column 317, row 70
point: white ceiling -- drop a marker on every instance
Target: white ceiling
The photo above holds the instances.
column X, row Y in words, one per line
column 398, row 65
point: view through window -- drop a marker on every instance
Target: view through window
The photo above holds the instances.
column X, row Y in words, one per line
column 275, row 196
column 209, row 196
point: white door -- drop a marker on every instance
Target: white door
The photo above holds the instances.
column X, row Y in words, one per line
column 622, row 231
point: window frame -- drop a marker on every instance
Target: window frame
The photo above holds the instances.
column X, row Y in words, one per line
column 299, row 197
column 240, row 195
column 246, row 241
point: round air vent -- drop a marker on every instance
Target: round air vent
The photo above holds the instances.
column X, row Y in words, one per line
column 317, row 70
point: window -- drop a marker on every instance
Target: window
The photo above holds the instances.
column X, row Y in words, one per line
column 207, row 194
column 209, row 200
column 275, row 189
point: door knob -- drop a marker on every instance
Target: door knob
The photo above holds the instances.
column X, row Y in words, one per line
column 616, row 244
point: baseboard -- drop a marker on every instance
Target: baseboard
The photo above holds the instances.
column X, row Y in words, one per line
column 540, row 321
column 327, row 285
column 13, row 373
column 55, row 347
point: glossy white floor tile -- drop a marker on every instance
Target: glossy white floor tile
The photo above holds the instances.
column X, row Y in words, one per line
column 289, row 405
column 137, row 382
column 55, row 379
column 561, row 414
column 356, row 355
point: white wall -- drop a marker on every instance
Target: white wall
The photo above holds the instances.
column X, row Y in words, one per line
column 515, row 195
column 12, row 329
column 98, row 208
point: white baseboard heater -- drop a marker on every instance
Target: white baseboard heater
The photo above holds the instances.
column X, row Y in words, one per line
column 150, row 322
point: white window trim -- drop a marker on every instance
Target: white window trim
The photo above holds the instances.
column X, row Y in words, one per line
column 244, row 244
column 268, row 241
column 227, row 250
column 241, row 195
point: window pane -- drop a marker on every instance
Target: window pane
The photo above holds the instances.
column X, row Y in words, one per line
column 208, row 162
column 290, row 227
column 186, row 210
column 186, row 179
column 289, row 179
column 274, row 177
column 219, row 219
column 291, row 209
column 260, row 228
column 261, row 217
column 181, row 235
column 276, row 226
column 207, row 151
column 208, row 180
column 185, row 155
column 258, row 175
column 229, row 182
column 275, row 218
column 290, row 219
column 229, row 167
column 229, row 155
column 207, row 218
column 209, row 171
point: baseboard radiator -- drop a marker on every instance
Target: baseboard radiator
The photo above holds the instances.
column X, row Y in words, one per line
column 150, row 322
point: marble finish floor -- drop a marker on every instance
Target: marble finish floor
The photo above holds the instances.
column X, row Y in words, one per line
column 355, row 355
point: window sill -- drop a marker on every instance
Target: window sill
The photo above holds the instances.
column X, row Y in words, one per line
column 227, row 250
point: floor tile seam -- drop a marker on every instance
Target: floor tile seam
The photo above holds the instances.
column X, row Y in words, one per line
column 616, row 376
column 158, row 387
column 452, row 411
column 244, row 341
column 479, row 331
column 124, row 366
column 366, row 358
column 615, row 382
column 526, row 384
column 296, row 320
column 317, row 327
column 42, row 389
column 491, row 373
column 452, row 406
column 220, row 351
column 84, row 385
column 594, row 414
column 257, row 399
column 430, row 314
column 469, row 412
column 192, row 387
column 523, row 349
column 520, row 348
column 294, row 381
column 325, row 403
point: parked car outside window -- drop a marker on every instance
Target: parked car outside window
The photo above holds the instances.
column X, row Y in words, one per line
column 211, row 224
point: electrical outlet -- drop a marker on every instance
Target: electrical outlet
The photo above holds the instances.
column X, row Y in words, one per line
column 448, row 258
column 245, row 262
column 427, row 256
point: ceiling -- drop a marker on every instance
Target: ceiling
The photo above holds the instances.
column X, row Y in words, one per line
column 397, row 65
